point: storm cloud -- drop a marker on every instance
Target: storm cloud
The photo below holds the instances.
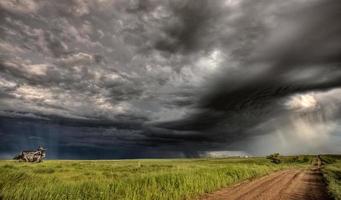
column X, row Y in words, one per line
column 149, row 78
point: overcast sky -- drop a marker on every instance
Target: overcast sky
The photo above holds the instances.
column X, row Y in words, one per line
column 176, row 78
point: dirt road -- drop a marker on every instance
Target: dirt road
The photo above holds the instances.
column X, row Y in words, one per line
column 293, row 184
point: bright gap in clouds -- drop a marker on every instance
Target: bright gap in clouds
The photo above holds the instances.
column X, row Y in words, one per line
column 302, row 102
column 309, row 126
column 310, row 121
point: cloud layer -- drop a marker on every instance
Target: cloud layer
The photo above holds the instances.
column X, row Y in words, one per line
column 149, row 78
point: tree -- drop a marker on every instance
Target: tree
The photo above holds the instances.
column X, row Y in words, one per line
column 274, row 158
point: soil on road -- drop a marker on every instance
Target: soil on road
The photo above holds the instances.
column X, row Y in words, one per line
column 293, row 184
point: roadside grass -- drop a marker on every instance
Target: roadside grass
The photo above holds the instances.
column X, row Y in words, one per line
column 332, row 174
column 172, row 179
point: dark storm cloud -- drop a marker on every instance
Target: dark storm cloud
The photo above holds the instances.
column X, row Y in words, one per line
column 315, row 39
column 306, row 42
column 176, row 77
column 190, row 26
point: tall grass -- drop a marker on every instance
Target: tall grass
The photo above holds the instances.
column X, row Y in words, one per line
column 129, row 179
column 332, row 173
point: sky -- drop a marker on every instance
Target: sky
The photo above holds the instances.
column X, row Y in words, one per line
column 100, row 79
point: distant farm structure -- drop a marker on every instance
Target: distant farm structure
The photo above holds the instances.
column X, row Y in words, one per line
column 31, row 155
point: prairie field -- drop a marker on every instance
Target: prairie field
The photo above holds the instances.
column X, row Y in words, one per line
column 332, row 174
column 171, row 179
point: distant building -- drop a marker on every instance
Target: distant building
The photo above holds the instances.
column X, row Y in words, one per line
column 32, row 155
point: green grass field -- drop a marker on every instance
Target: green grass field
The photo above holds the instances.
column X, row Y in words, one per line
column 332, row 173
column 130, row 179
